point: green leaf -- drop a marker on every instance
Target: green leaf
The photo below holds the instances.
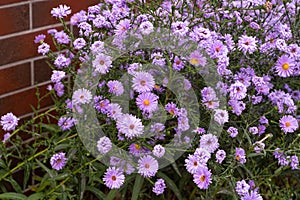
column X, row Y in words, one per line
column 45, row 168
column 112, row 194
column 82, row 185
column 61, row 146
column 13, row 196
column 14, row 184
column 137, row 187
column 26, row 175
column 36, row 196
column 95, row 191
column 174, row 165
column 53, row 128
column 170, row 184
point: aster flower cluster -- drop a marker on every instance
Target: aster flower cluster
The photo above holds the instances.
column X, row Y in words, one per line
column 244, row 123
column 242, row 59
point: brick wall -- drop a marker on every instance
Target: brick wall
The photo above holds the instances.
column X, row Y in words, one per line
column 21, row 67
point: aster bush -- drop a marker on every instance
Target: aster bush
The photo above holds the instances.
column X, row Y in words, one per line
column 164, row 100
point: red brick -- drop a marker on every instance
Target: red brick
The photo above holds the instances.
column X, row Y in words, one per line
column 4, row 2
column 19, row 104
column 41, row 10
column 21, row 47
column 14, row 19
column 42, row 71
column 14, row 78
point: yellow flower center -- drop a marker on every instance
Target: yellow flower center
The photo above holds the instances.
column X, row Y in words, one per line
column 287, row 124
column 146, row 102
column 143, row 83
column 237, row 158
column 194, row 61
column 101, row 62
column 285, row 66
column 202, row 178
column 137, row 147
column 147, row 166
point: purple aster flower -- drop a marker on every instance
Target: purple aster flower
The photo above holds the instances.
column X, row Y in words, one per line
column 85, row 29
column 39, row 38
column 178, row 64
column 218, row 49
column 115, row 87
column 254, row 25
column 6, row 136
column 294, row 50
column 202, row 155
column 209, row 142
column 104, row 145
column 59, row 88
column 221, row 116
column 135, row 149
column 130, row 126
column 82, row 96
column 240, row 155
column 158, row 59
column 122, row 27
column 263, row 120
column 97, row 47
column 147, row 166
column 253, row 130
column 114, row 111
column 147, row 102
column 113, row 178
column 58, row 161
column 253, row 195
column 159, row 187
column 258, row 146
column 233, row 131
column 143, row 82
column 61, row 11
column 199, row 130
column 65, row 123
column 180, row 28
column 202, row 177
column 187, row 84
column 102, row 63
column 294, row 162
column 247, row 44
column 62, row 61
column 242, row 187
column 79, row 43
column 183, row 123
column 102, row 104
column 57, row 76
column 192, row 163
column 281, row 44
column 238, row 91
column 197, row 59
column 146, row 28
column 61, row 37
column 43, row 48
column 288, row 124
column 78, row 17
column 220, row 156
column 171, row 108
column 256, row 99
column 158, row 151
column 52, row 31
column 284, row 66
column 261, row 129
column 9, row 122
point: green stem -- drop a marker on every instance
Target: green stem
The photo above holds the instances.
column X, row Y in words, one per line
column 23, row 163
